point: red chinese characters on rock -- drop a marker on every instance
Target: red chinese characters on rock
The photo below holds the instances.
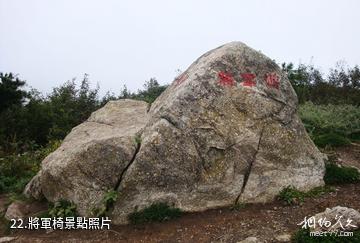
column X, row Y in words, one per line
column 226, row 79
column 272, row 80
column 248, row 79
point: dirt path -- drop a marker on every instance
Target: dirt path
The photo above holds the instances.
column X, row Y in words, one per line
column 264, row 221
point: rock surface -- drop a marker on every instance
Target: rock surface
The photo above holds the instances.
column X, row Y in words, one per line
column 16, row 210
column 92, row 157
column 283, row 238
column 225, row 131
column 250, row 239
column 7, row 239
column 341, row 218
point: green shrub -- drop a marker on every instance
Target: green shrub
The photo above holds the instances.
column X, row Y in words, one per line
column 17, row 170
column 63, row 209
column 331, row 139
column 137, row 140
column 331, row 125
column 335, row 174
column 291, row 196
column 156, row 212
column 106, row 204
column 303, row 236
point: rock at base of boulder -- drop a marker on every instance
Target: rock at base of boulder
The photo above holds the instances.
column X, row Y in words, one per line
column 17, row 210
column 251, row 239
column 7, row 239
column 341, row 218
column 33, row 188
column 283, row 238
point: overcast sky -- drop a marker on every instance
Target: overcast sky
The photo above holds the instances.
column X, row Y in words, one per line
column 121, row 42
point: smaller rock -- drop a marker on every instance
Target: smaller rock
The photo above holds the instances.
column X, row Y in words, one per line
column 283, row 238
column 251, row 239
column 33, row 188
column 16, row 210
column 7, row 239
column 338, row 216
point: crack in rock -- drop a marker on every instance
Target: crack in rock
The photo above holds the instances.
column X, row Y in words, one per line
column 137, row 149
column 248, row 172
column 276, row 100
column 170, row 120
column 148, row 108
column 117, row 185
column 102, row 123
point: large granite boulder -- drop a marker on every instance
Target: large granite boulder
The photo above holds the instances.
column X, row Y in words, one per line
column 225, row 131
column 93, row 157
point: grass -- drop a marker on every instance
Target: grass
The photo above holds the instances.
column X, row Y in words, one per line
column 319, row 191
column 303, row 236
column 291, row 196
column 238, row 206
column 334, row 175
column 155, row 213
column 331, row 125
column 340, row 175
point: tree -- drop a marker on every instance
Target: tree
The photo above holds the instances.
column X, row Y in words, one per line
column 10, row 91
column 355, row 77
column 125, row 93
column 152, row 90
column 70, row 106
column 341, row 86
